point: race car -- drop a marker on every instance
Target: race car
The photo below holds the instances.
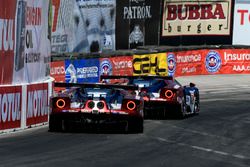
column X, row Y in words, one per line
column 163, row 96
column 91, row 105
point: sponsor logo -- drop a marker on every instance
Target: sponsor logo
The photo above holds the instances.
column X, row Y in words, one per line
column 37, row 103
column 106, row 67
column 57, row 70
column 171, row 64
column 213, row 61
column 236, row 56
column 6, row 34
column 10, row 107
column 188, row 58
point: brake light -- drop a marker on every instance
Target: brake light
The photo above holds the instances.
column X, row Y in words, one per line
column 131, row 105
column 60, row 103
column 169, row 94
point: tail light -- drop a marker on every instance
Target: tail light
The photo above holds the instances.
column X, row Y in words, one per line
column 61, row 103
column 130, row 105
column 167, row 94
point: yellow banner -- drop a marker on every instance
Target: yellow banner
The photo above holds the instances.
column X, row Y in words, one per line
column 150, row 64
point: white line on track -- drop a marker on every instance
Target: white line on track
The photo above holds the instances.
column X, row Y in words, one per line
column 238, row 156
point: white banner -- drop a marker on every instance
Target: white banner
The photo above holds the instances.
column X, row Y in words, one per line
column 83, row 26
column 241, row 29
column 33, row 45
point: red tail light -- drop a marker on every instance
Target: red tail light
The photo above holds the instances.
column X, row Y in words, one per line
column 60, row 103
column 167, row 94
column 131, row 105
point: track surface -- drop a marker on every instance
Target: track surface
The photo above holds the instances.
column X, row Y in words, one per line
column 218, row 137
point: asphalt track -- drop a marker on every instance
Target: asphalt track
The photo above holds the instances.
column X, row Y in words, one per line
column 218, row 137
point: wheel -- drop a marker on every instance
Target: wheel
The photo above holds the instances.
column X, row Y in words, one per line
column 55, row 124
column 183, row 110
column 196, row 108
column 135, row 125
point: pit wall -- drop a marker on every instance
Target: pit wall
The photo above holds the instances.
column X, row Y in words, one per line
column 24, row 106
column 208, row 61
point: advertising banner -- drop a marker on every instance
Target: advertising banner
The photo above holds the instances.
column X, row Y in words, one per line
column 7, row 40
column 150, row 64
column 57, row 71
column 37, row 104
column 202, row 17
column 84, row 70
column 83, row 26
column 10, row 107
column 137, row 23
column 241, row 28
column 210, row 62
column 120, row 65
column 32, row 55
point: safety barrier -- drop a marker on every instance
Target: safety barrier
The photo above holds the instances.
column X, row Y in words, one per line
column 24, row 106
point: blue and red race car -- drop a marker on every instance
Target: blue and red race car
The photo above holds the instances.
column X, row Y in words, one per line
column 88, row 105
column 163, row 95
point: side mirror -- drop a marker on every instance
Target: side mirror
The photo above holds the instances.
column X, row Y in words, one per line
column 191, row 84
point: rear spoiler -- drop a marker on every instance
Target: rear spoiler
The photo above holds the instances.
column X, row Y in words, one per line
column 95, row 85
column 135, row 77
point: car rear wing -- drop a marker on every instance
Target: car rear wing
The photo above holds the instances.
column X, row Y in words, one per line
column 95, row 85
column 102, row 77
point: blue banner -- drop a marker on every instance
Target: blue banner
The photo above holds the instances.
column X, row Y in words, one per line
column 79, row 71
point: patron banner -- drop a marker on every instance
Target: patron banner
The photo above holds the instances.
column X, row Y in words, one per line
column 10, row 107
column 202, row 17
column 7, row 41
column 137, row 23
column 83, row 26
column 241, row 28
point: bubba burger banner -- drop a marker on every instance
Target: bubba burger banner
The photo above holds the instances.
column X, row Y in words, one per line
column 203, row 62
column 37, row 104
column 10, row 107
column 201, row 17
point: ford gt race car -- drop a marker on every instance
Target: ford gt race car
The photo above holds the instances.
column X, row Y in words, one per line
column 95, row 105
column 163, row 95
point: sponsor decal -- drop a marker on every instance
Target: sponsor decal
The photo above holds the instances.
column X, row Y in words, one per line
column 213, row 61
column 150, row 64
column 106, row 67
column 171, row 64
column 37, row 104
column 204, row 17
column 10, row 107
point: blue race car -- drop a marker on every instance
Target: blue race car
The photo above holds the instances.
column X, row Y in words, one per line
column 163, row 95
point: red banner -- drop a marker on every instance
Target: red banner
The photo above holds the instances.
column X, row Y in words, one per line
column 7, row 40
column 10, row 107
column 122, row 65
column 57, row 71
column 37, row 104
column 209, row 62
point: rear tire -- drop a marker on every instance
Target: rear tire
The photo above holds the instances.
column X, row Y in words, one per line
column 55, row 124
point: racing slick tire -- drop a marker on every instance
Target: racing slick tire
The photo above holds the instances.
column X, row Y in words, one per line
column 182, row 110
column 55, row 124
column 135, row 126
